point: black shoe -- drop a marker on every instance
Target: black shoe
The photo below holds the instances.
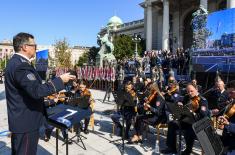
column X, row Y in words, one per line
column 86, row 131
column 46, row 139
column 168, row 151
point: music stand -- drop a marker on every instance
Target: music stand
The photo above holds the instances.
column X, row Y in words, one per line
column 119, row 100
column 67, row 113
column 81, row 102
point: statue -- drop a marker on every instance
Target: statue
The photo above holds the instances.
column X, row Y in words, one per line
column 105, row 55
column 200, row 31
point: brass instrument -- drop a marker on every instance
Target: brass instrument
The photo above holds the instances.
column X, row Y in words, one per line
column 172, row 90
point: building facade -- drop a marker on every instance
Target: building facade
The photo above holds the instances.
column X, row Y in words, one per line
column 117, row 27
column 6, row 51
column 167, row 23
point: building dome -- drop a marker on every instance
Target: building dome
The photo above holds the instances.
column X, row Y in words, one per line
column 114, row 21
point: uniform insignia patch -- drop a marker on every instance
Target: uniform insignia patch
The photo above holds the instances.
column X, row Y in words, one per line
column 31, row 77
column 203, row 108
column 23, row 60
column 158, row 103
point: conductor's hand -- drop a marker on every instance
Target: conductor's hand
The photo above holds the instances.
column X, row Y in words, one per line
column 66, row 77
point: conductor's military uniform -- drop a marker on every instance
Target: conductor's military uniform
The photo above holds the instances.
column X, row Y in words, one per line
column 25, row 104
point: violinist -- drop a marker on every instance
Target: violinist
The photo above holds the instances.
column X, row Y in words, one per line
column 84, row 108
column 198, row 109
column 154, row 114
column 227, row 121
column 171, row 93
column 127, row 109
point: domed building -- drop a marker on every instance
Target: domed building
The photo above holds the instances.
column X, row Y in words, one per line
column 114, row 22
column 117, row 27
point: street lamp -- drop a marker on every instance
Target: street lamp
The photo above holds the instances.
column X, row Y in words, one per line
column 136, row 39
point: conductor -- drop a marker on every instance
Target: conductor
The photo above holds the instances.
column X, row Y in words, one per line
column 24, row 95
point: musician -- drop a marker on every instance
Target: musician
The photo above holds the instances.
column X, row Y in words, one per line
column 228, row 124
column 220, row 96
column 154, row 113
column 84, row 108
column 171, row 93
column 127, row 109
column 197, row 109
column 138, row 86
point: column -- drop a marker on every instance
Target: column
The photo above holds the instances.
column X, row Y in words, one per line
column 176, row 32
column 165, row 30
column 204, row 4
column 230, row 4
column 212, row 7
column 181, row 37
column 149, row 26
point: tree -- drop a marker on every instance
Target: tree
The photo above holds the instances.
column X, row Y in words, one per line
column 62, row 54
column 93, row 51
column 83, row 59
column 4, row 61
column 124, row 47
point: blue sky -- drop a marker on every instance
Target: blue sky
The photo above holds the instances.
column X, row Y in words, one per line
column 77, row 20
column 221, row 22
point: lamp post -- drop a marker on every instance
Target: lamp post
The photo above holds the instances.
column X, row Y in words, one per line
column 136, row 39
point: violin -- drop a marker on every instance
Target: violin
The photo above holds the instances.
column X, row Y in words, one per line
column 86, row 92
column 60, row 96
column 149, row 99
column 194, row 103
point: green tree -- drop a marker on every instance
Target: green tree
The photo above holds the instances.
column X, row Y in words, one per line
column 124, row 47
column 3, row 62
column 62, row 54
column 92, row 53
column 83, row 59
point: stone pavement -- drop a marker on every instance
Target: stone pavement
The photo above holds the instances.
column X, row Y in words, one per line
column 97, row 142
